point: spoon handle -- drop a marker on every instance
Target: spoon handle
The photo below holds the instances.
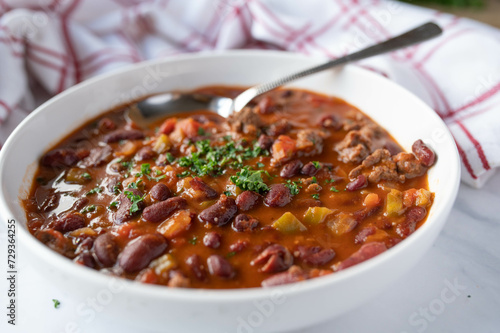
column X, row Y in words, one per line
column 422, row 33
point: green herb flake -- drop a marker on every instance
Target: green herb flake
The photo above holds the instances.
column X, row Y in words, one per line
column 116, row 188
column 231, row 254
column 133, row 185
column 193, row 240
column 183, row 174
column 87, row 176
column 136, row 199
column 201, row 131
column 250, row 180
column 260, row 165
column 95, row 190
column 293, row 187
column 170, row 157
column 315, row 196
column 333, row 189
column 228, row 193
column 314, row 180
column 88, row 209
column 145, row 169
column 113, row 205
column 316, row 164
column 56, row 303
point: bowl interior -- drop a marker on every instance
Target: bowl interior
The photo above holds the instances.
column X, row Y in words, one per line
column 398, row 111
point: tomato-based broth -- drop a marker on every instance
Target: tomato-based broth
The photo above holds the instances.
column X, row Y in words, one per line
column 296, row 186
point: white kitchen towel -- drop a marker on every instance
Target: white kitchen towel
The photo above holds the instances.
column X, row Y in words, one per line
column 47, row 46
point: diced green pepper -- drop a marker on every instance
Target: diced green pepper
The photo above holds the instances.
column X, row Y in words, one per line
column 288, row 223
column 316, row 215
column 394, row 204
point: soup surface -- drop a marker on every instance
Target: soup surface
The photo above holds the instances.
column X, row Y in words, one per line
column 296, row 186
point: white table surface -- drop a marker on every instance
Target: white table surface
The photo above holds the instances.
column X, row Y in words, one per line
column 466, row 255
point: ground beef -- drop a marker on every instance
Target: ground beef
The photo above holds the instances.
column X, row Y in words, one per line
column 382, row 167
column 246, row 121
column 310, row 142
column 408, row 165
column 353, row 148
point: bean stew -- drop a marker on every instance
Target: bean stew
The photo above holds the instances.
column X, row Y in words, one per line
column 296, row 186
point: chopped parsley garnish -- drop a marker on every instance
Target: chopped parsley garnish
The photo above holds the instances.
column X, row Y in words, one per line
column 231, row 254
column 146, row 168
column 315, row 196
column 227, row 193
column 333, row 189
column 183, row 174
column 113, row 205
column 316, row 164
column 208, row 160
column 293, row 187
column 128, row 164
column 157, row 179
column 250, row 180
column 170, row 157
column 133, row 185
column 314, row 180
column 87, row 176
column 56, row 303
column 116, row 188
column 136, row 199
column 193, row 240
column 88, row 209
column 260, row 165
column 95, row 190
column 158, row 172
column 201, row 131
column 330, row 181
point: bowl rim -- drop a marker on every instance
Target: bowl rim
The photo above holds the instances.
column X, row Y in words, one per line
column 224, row 295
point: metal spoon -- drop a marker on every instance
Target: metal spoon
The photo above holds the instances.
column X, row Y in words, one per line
column 164, row 104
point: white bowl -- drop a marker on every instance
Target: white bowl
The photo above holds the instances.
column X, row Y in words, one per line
column 246, row 310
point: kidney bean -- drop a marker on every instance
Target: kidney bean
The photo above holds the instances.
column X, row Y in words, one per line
column 85, row 245
column 413, row 216
column 330, row 121
column 141, row 251
column 159, row 211
column 69, row 222
column 145, row 153
column 106, row 249
column 49, row 200
column 246, row 200
column 392, row 147
column 309, row 169
column 364, row 233
column 315, row 255
column 160, row 192
column 199, row 185
column 278, row 196
column 80, row 203
column 123, row 134
column 219, row 266
column 293, row 274
column 265, row 142
column 424, row 154
column 212, row 240
column 123, row 213
column 366, row 252
column 266, row 105
column 275, row 258
column 196, row 266
column 291, row 169
column 97, row 157
column 244, row 222
column 219, row 213
column 85, row 259
column 53, row 239
column 59, row 158
column 238, row 246
column 358, row 183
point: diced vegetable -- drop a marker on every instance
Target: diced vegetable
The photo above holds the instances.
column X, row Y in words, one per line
column 423, row 198
column 283, row 148
column 176, row 224
column 371, row 200
column 342, row 223
column 83, row 232
column 162, row 144
column 128, row 149
column 288, row 223
column 77, row 176
column 163, row 264
column 394, row 205
column 316, row 215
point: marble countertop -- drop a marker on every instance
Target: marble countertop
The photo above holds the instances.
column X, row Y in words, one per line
column 454, row 288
